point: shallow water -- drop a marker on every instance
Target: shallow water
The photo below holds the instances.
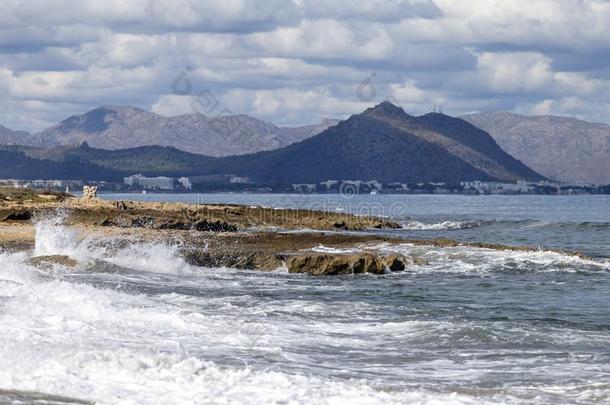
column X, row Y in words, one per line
column 138, row 325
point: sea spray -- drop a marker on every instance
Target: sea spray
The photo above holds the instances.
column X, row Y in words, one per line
column 54, row 237
column 154, row 257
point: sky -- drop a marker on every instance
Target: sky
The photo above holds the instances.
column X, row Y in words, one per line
column 295, row 62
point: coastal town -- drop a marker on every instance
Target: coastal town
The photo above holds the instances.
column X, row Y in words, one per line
column 228, row 183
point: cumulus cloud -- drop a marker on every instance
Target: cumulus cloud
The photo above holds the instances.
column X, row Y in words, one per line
column 296, row 61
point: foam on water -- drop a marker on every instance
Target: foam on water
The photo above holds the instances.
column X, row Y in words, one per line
column 161, row 331
column 73, row 339
column 443, row 225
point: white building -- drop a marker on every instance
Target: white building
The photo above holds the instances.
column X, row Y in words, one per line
column 185, row 182
column 150, row 183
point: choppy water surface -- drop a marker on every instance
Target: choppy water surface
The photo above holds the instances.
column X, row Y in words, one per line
column 574, row 223
column 138, row 325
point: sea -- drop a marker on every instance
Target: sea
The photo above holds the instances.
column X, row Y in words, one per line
column 135, row 324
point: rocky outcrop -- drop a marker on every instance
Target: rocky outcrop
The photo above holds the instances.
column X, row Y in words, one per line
column 319, row 264
column 208, row 235
column 152, row 222
column 178, row 216
column 330, row 264
column 265, row 261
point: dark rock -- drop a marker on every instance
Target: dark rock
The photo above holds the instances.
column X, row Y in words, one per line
column 217, row 226
column 398, row 262
column 175, row 225
column 395, row 262
column 19, row 216
column 121, row 205
column 143, row 222
column 340, row 225
column 236, row 260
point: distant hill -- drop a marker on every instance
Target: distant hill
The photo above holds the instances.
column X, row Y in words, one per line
column 10, row 137
column 560, row 148
column 102, row 164
column 297, row 134
column 17, row 165
column 124, row 127
column 383, row 143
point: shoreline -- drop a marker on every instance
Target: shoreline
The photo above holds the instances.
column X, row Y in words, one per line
column 220, row 235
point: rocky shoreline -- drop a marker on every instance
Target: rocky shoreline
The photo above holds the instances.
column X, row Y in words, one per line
column 233, row 236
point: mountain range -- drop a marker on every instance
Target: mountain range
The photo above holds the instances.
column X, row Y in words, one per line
column 560, row 148
column 383, row 143
column 124, row 127
column 9, row 136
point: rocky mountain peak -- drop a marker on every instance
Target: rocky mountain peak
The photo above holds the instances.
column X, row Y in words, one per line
column 387, row 110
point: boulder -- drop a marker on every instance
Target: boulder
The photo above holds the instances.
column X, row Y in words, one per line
column 399, row 262
column 325, row 264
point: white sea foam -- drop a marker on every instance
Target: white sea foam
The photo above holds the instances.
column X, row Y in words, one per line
column 53, row 238
column 436, row 226
column 464, row 259
column 108, row 346
column 333, row 250
column 230, row 339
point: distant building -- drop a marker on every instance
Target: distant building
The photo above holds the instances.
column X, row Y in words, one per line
column 304, row 188
column 239, row 180
column 42, row 184
column 397, row 187
column 11, row 183
column 494, row 187
column 186, row 183
column 218, row 179
column 150, row 183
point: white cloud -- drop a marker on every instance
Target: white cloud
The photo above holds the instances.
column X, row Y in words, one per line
column 173, row 105
column 513, row 72
column 295, row 61
column 154, row 15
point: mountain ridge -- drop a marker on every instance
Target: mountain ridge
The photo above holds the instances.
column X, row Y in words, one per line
column 123, row 127
column 561, row 148
column 383, row 143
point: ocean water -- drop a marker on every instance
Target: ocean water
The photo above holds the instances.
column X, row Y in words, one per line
column 135, row 324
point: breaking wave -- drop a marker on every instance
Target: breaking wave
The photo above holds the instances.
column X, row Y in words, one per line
column 425, row 225
column 444, row 225
column 157, row 330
